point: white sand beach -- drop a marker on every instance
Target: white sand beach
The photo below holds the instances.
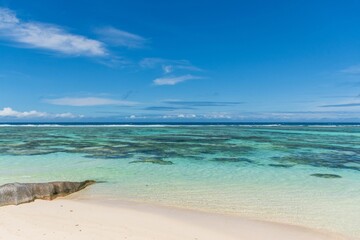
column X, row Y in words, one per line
column 89, row 219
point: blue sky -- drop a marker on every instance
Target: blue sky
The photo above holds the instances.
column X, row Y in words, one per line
column 179, row 61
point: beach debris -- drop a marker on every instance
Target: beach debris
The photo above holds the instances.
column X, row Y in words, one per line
column 18, row 193
column 325, row 175
column 154, row 161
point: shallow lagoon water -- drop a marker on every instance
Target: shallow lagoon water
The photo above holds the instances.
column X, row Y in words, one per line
column 304, row 175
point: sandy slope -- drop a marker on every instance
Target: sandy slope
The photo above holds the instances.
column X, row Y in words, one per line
column 76, row 219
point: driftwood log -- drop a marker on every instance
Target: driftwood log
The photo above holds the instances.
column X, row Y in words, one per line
column 17, row 193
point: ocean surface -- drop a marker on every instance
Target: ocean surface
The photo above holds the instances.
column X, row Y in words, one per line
column 303, row 174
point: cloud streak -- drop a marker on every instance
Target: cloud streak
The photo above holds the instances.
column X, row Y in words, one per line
column 164, row 108
column 8, row 112
column 174, row 80
column 47, row 36
column 168, row 65
column 120, row 38
column 341, row 105
column 355, row 69
column 88, row 101
column 173, row 71
column 203, row 103
column 306, row 116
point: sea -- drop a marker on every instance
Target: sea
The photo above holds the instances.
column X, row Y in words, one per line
column 305, row 174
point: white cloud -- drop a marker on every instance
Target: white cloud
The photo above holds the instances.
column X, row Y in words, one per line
column 169, row 65
column 167, row 68
column 119, row 37
column 47, row 36
column 67, row 115
column 9, row 112
column 186, row 116
column 88, row 101
column 174, row 80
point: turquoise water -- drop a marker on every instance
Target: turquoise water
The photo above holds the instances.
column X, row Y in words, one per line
column 304, row 175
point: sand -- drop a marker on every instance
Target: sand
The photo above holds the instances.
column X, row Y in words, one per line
column 90, row 219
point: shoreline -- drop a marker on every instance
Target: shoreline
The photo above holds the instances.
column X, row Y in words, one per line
column 69, row 218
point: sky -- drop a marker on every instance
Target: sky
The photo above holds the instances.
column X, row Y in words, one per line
column 188, row 60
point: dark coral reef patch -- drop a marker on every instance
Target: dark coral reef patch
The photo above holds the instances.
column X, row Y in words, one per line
column 325, row 175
